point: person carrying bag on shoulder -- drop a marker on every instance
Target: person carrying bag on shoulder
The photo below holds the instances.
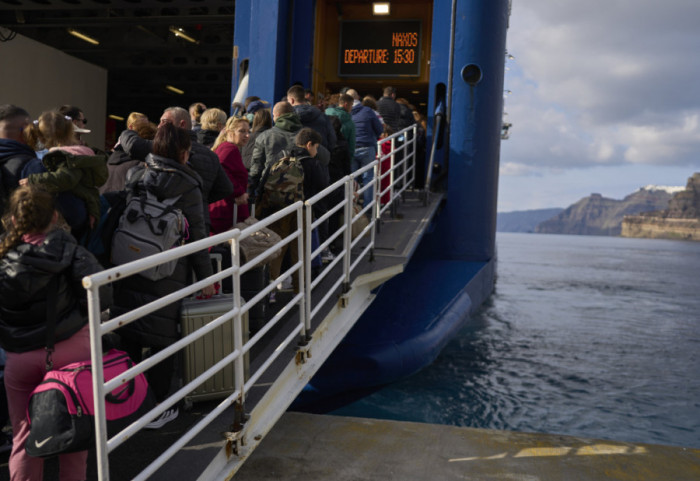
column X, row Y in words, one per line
column 35, row 257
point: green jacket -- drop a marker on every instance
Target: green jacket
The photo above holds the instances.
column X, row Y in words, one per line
column 78, row 174
column 347, row 126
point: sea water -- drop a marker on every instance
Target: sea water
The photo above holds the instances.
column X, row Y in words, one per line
column 589, row 336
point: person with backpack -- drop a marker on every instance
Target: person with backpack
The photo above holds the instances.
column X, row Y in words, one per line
column 296, row 176
column 214, row 181
column 38, row 262
column 167, row 177
column 268, row 145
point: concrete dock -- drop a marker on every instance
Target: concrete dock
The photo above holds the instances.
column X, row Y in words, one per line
column 313, row 447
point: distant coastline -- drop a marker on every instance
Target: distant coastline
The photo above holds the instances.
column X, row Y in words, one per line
column 658, row 212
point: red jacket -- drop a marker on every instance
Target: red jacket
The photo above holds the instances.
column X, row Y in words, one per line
column 221, row 211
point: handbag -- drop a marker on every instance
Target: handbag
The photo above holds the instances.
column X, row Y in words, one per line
column 258, row 242
column 61, row 412
column 360, row 223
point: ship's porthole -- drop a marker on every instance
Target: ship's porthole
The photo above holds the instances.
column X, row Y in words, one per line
column 471, row 74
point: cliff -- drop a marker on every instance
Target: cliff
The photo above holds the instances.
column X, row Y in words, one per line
column 681, row 220
column 598, row 215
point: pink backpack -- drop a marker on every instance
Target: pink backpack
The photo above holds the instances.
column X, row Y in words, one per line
column 61, row 409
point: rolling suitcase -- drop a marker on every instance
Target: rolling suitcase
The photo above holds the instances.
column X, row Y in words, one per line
column 209, row 349
column 252, row 282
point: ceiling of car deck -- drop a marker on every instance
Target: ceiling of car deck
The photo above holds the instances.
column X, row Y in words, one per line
column 137, row 47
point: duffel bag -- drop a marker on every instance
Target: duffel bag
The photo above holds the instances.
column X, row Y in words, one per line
column 61, row 410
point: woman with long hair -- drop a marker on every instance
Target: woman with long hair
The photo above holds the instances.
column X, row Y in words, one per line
column 166, row 175
column 228, row 147
column 262, row 120
column 36, row 257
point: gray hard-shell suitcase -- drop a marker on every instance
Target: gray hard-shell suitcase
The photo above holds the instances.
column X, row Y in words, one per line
column 211, row 348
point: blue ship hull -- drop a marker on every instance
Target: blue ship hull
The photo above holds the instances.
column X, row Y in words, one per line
column 452, row 272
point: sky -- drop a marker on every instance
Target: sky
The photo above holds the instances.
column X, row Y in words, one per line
column 604, row 97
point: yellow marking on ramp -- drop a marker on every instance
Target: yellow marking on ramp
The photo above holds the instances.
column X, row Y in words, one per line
column 478, row 458
column 542, row 452
column 598, row 449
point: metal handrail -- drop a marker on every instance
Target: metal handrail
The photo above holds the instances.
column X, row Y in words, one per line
column 348, row 259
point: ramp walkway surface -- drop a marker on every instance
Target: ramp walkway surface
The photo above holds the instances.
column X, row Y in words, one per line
column 320, row 447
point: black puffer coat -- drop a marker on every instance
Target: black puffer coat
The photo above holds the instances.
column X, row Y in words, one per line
column 118, row 165
column 165, row 178
column 215, row 183
column 312, row 117
column 25, row 273
column 390, row 111
column 207, row 137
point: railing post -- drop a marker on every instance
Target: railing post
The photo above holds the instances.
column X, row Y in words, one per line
column 347, row 235
column 304, row 249
column 239, row 362
column 98, row 380
column 414, row 157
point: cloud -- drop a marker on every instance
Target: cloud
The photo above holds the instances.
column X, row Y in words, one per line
column 603, row 82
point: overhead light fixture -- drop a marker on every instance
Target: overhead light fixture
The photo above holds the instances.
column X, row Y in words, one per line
column 381, row 8
column 83, row 37
column 175, row 89
column 116, row 117
column 179, row 32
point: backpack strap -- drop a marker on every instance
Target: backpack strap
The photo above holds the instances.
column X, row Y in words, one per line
column 51, row 305
column 170, row 203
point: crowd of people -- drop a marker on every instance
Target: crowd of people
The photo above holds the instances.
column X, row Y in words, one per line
column 55, row 192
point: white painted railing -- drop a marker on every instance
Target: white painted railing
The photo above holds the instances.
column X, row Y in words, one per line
column 400, row 174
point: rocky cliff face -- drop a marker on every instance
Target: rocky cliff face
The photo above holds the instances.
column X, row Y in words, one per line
column 686, row 204
column 597, row 215
column 681, row 220
column 661, row 228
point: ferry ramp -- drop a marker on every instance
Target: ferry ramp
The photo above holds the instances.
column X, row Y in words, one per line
column 205, row 456
column 320, row 447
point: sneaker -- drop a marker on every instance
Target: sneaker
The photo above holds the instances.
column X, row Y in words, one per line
column 327, row 256
column 163, row 419
column 272, row 299
column 5, row 442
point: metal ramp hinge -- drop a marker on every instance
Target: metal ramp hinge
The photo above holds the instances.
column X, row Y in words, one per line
column 303, row 353
column 235, row 438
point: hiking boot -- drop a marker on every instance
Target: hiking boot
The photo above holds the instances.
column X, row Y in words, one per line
column 163, row 419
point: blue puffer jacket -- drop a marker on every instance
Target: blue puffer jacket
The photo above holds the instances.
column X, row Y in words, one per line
column 368, row 128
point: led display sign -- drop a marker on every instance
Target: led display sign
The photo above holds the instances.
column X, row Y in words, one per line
column 379, row 48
